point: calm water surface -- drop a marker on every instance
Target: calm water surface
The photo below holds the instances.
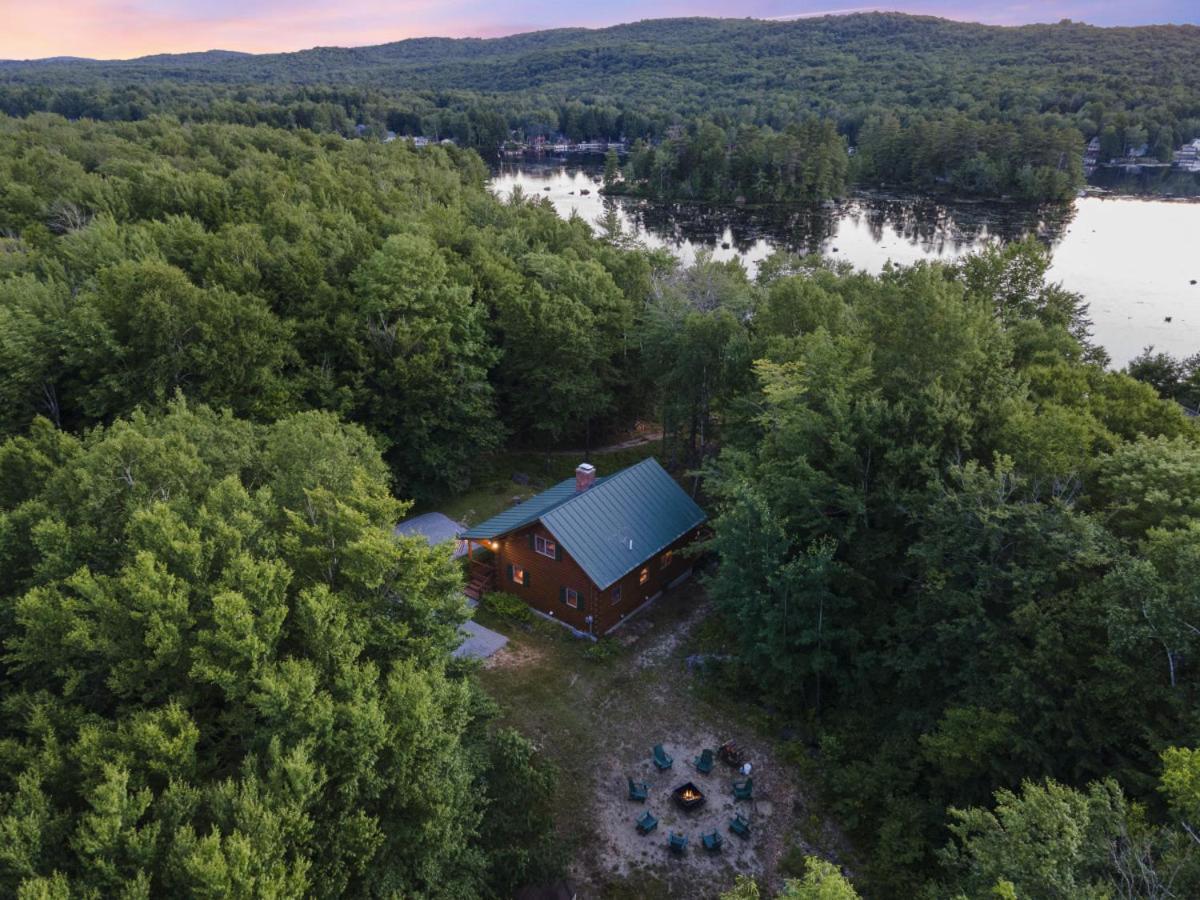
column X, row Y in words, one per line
column 1131, row 259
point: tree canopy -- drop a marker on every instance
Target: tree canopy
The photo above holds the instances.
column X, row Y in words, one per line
column 224, row 676
column 269, row 272
column 951, row 544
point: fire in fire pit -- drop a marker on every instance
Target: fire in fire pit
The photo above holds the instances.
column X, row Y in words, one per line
column 688, row 796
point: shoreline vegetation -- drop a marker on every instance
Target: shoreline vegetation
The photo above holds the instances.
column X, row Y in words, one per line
column 809, row 161
column 596, row 163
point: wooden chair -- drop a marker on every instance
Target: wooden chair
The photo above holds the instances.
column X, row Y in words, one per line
column 712, row 842
column 678, row 843
column 646, row 823
column 638, row 790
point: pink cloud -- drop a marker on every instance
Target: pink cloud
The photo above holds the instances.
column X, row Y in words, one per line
column 125, row 28
column 122, row 30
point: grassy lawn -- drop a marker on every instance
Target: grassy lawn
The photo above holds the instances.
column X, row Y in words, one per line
column 495, row 490
column 596, row 710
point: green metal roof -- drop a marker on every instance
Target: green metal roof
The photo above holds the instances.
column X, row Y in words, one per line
column 525, row 513
column 611, row 528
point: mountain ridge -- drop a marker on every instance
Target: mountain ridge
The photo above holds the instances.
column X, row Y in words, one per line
column 395, row 51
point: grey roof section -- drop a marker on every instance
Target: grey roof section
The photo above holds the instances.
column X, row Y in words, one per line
column 434, row 527
column 616, row 525
column 478, row 642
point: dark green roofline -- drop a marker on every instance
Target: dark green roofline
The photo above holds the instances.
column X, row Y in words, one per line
column 525, row 513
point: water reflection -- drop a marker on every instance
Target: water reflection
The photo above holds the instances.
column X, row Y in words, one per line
column 1133, row 260
column 886, row 221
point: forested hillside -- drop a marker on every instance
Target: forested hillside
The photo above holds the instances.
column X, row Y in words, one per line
column 693, row 67
column 928, row 102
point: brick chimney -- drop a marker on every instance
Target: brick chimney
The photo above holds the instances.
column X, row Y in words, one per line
column 585, row 476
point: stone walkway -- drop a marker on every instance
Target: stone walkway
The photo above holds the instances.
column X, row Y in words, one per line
column 478, row 642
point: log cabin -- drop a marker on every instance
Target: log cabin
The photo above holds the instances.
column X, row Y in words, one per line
column 590, row 551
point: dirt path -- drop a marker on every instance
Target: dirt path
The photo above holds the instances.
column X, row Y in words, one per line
column 612, row 715
column 637, row 440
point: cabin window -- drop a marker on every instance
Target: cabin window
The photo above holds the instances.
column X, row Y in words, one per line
column 517, row 574
column 644, row 576
column 545, row 546
column 571, row 598
column 616, row 595
column 665, row 559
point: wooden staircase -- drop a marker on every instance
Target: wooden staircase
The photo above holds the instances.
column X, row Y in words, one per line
column 482, row 580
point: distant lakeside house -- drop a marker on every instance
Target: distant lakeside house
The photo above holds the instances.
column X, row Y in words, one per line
column 589, row 551
column 1187, row 157
column 1137, row 159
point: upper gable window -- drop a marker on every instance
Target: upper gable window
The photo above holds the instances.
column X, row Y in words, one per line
column 545, row 546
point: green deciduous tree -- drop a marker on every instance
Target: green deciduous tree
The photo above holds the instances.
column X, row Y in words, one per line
column 1047, row 841
column 822, row 881
column 225, row 676
column 425, row 360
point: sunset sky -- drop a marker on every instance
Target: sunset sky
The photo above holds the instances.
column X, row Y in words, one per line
column 125, row 28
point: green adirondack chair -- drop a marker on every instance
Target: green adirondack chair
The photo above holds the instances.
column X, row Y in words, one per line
column 743, row 790
column 712, row 842
column 638, row 790
column 678, row 842
column 740, row 826
column 704, row 762
column 647, row 823
column 661, row 759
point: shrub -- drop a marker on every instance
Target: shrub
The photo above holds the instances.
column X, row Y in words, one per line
column 507, row 606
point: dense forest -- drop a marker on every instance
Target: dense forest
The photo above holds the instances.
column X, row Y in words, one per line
column 221, row 675
column 961, row 553
column 952, row 549
column 929, row 102
column 269, row 271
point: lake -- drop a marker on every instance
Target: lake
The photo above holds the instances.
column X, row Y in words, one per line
column 1132, row 259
